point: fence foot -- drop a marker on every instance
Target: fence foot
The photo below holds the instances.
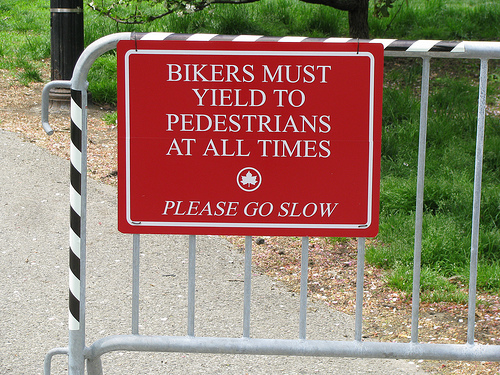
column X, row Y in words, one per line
column 94, row 366
column 48, row 358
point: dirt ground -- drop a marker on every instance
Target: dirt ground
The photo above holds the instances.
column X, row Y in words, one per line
column 387, row 312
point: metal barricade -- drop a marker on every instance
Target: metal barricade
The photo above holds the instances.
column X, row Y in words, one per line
column 79, row 353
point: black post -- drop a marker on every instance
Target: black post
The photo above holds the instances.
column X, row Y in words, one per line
column 66, row 41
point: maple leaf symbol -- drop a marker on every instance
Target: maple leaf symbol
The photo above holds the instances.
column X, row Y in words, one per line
column 249, row 179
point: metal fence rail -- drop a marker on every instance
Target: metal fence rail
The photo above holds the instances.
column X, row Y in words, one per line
column 79, row 353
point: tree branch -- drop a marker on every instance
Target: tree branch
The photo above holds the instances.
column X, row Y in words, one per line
column 347, row 5
column 232, row 1
column 137, row 19
column 357, row 9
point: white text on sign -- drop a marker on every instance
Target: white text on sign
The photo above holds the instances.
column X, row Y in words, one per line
column 265, row 209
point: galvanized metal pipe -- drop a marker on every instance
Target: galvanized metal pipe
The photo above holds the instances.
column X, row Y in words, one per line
column 358, row 322
column 304, row 272
column 48, row 358
column 478, row 173
column 247, row 288
column 94, row 366
column 136, row 239
column 312, row 348
column 91, row 53
column 46, row 102
column 191, row 284
column 419, row 211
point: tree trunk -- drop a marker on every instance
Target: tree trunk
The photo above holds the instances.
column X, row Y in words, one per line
column 358, row 14
column 358, row 21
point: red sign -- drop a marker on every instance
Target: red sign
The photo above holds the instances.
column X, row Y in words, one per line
column 249, row 138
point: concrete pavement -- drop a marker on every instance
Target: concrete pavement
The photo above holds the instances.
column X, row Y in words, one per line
column 34, row 221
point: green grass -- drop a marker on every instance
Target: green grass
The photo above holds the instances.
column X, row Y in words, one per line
column 443, row 19
column 24, row 37
column 102, row 75
column 435, row 286
column 449, row 179
column 111, row 118
column 25, row 44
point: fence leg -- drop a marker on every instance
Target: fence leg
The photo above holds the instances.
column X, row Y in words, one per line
column 247, row 289
column 419, row 211
column 191, row 284
column 94, row 366
column 478, row 173
column 358, row 322
column 304, row 273
column 135, row 283
column 47, row 363
column 78, row 210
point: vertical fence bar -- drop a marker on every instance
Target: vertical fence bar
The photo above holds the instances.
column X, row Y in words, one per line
column 419, row 211
column 135, row 282
column 304, row 271
column 247, row 289
column 78, row 228
column 191, row 283
column 94, row 366
column 481, row 117
column 358, row 322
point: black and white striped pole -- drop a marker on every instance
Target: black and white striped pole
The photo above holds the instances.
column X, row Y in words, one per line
column 67, row 44
column 392, row 47
column 77, row 254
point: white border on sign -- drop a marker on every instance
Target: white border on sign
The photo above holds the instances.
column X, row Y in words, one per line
column 138, row 223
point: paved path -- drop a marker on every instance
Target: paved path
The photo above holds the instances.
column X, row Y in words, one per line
column 34, row 214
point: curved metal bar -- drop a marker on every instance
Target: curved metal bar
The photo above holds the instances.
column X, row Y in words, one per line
column 48, row 358
column 90, row 54
column 46, row 100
